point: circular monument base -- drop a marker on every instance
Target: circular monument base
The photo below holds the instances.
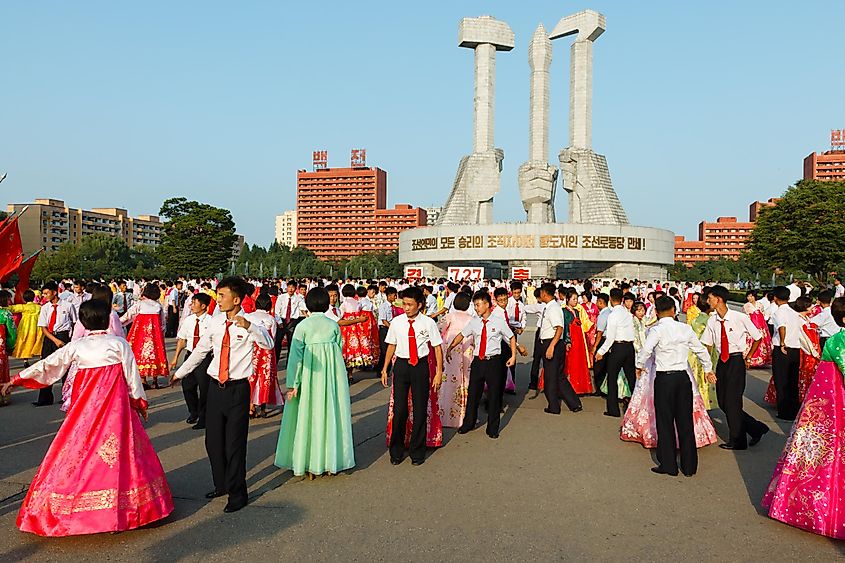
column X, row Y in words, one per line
column 547, row 250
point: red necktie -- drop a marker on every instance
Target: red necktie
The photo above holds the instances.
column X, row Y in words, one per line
column 196, row 333
column 52, row 323
column 223, row 374
column 726, row 345
column 287, row 315
column 412, row 344
column 482, row 346
column 516, row 312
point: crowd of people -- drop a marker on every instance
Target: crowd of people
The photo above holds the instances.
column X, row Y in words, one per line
column 662, row 356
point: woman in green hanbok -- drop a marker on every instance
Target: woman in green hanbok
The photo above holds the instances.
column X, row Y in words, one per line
column 698, row 323
column 316, row 433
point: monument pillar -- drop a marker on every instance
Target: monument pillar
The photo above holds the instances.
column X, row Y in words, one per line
column 478, row 176
column 536, row 177
column 586, row 176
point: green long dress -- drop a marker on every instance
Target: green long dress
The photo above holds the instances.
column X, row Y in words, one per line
column 316, row 433
column 707, row 389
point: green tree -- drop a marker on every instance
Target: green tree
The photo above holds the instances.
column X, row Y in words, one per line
column 98, row 256
column 197, row 238
column 802, row 231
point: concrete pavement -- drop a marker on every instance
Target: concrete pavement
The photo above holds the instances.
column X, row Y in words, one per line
column 551, row 487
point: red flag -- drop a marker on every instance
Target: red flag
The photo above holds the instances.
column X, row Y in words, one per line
column 24, row 271
column 11, row 250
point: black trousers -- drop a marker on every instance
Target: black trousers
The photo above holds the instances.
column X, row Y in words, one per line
column 730, row 386
column 536, row 361
column 673, row 411
column 599, row 370
column 489, row 371
column 382, row 345
column 172, row 322
column 195, row 389
column 555, row 385
column 45, row 394
column 620, row 357
column 285, row 330
column 226, row 431
column 503, row 359
column 785, row 368
column 413, row 380
column 822, row 340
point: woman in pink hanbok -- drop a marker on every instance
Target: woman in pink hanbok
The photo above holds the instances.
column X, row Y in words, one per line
column 763, row 356
column 453, row 390
column 807, row 489
column 640, row 424
column 264, row 383
column 101, row 473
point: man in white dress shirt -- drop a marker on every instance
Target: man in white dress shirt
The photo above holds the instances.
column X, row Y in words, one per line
column 726, row 331
column 838, row 288
column 408, row 338
column 290, row 310
column 385, row 316
column 619, row 348
column 56, row 321
column 490, row 334
column 555, row 343
column 195, row 384
column 670, row 343
column 824, row 320
column 230, row 337
column 786, row 354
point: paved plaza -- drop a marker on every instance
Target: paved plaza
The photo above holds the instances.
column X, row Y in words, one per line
column 551, row 487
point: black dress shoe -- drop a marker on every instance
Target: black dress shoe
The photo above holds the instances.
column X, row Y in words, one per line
column 577, row 409
column 494, row 436
column 230, row 507
column 550, row 411
column 214, row 494
column 613, row 415
column 395, row 461
column 660, row 471
column 732, row 447
column 463, row 430
column 687, row 474
column 198, row 426
column 192, row 419
column 756, row 439
column 37, row 404
column 417, row 461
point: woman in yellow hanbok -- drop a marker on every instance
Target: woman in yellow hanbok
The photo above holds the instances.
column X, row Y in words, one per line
column 30, row 337
column 698, row 323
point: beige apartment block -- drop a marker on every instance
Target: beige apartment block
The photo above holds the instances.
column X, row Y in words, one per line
column 48, row 223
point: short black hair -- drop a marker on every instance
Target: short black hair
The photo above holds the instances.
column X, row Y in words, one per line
column 629, row 296
column 837, row 311
column 548, row 288
column 516, row 284
column 453, row 287
column 825, row 296
column 722, row 292
column 235, row 284
column 781, row 292
column 664, row 304
column 348, row 290
column 317, row 300
column 95, row 314
column 263, row 302
column 361, row 291
column 803, row 303
column 51, row 285
column 332, row 287
column 103, row 293
column 390, row 290
column 28, row 296
column 151, row 291
column 414, row 293
column 500, row 291
column 616, row 295
column 461, row 302
column 203, row 298
column 481, row 295
column 603, row 297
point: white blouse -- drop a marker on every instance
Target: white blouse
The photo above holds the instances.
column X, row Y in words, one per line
column 98, row 349
column 145, row 306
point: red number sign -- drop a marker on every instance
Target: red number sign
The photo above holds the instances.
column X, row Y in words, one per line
column 461, row 273
column 413, row 273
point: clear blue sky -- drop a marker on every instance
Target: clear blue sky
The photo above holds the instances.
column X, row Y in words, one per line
column 700, row 108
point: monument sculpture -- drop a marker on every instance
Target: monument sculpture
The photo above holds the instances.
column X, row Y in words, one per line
column 477, row 180
column 597, row 240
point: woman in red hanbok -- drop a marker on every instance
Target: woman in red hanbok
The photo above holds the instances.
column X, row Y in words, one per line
column 101, row 473
column 359, row 350
column 264, row 383
column 763, row 356
column 578, row 361
column 146, row 336
column 369, row 328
